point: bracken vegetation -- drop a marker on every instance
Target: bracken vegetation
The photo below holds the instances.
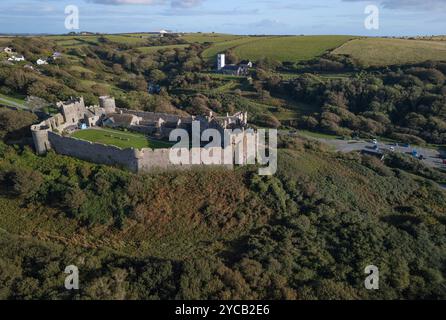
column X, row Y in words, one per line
column 307, row 232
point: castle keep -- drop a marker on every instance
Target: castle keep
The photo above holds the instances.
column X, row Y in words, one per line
column 54, row 134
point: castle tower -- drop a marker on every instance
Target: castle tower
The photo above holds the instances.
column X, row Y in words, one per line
column 221, row 61
column 108, row 104
column 40, row 139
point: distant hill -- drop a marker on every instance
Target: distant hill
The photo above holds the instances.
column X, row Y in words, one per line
column 382, row 51
column 280, row 48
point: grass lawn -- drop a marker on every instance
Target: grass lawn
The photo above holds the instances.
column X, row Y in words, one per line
column 120, row 139
column 383, row 52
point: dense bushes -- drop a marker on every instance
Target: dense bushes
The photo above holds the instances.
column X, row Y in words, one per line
column 306, row 233
column 15, row 124
column 409, row 164
column 407, row 103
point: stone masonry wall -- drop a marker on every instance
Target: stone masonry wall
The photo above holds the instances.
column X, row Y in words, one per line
column 143, row 160
column 93, row 152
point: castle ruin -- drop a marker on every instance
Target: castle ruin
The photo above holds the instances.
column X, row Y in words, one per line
column 54, row 134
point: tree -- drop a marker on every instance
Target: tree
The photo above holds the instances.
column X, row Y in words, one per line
column 15, row 124
column 157, row 76
column 23, row 182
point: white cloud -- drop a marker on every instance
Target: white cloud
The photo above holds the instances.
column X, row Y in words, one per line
column 410, row 4
column 185, row 3
column 174, row 3
column 124, row 2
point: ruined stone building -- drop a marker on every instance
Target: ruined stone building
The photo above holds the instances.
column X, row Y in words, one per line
column 53, row 133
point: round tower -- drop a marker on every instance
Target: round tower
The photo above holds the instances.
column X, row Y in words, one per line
column 108, row 104
column 40, row 138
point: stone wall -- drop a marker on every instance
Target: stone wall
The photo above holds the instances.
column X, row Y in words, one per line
column 73, row 110
column 93, row 152
column 143, row 160
column 47, row 135
column 154, row 116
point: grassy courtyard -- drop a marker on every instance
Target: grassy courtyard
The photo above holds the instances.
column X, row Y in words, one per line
column 120, row 139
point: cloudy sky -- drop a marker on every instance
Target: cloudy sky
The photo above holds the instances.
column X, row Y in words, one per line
column 397, row 17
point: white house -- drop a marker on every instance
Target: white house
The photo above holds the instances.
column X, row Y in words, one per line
column 17, row 58
column 7, row 50
column 41, row 62
column 164, row 32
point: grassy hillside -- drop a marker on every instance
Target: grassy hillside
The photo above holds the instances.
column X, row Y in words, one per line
column 383, row 52
column 305, row 233
column 222, row 46
column 82, row 40
column 11, row 101
column 290, row 48
column 158, row 48
column 209, row 37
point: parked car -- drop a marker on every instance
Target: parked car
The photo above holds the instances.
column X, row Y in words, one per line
column 375, row 141
column 392, row 149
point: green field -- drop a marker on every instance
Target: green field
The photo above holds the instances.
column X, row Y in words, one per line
column 119, row 139
column 79, row 40
column 216, row 48
column 383, row 52
column 289, row 48
column 158, row 48
column 209, row 37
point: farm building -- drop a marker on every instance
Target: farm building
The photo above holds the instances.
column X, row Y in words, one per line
column 236, row 70
column 232, row 69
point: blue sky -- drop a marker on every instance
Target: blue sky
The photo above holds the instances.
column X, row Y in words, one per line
column 397, row 17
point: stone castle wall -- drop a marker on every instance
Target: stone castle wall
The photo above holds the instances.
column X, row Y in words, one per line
column 144, row 160
column 47, row 135
column 94, row 152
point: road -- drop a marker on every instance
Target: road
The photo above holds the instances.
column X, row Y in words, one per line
column 432, row 157
column 11, row 103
